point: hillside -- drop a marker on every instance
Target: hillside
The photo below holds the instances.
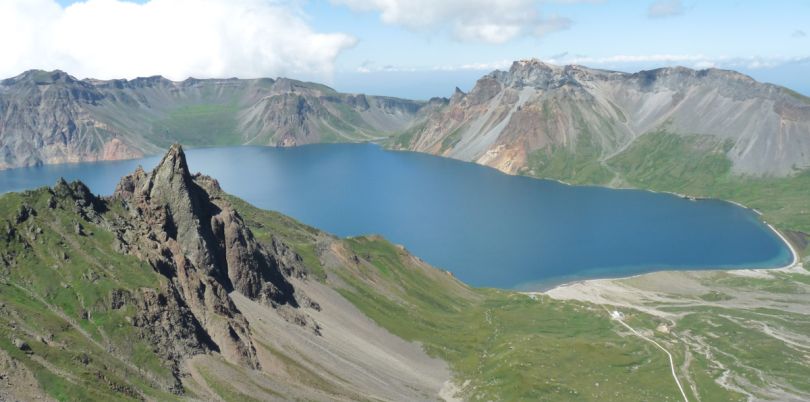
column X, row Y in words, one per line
column 51, row 117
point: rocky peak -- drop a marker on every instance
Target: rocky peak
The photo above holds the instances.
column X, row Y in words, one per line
column 458, row 95
column 190, row 234
column 55, row 88
column 41, row 77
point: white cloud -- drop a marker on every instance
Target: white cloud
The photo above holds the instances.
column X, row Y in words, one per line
column 665, row 8
column 469, row 20
column 174, row 38
column 369, row 67
column 798, row 34
column 698, row 61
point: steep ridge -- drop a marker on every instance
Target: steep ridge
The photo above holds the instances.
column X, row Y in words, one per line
column 203, row 246
column 517, row 120
column 51, row 117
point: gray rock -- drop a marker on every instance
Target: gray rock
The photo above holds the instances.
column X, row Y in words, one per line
column 21, row 345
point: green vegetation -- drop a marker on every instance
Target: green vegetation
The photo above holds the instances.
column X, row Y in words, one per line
column 796, row 95
column 224, row 389
column 451, row 140
column 661, row 160
column 198, row 125
column 697, row 166
column 503, row 345
column 578, row 166
column 404, row 139
column 55, row 288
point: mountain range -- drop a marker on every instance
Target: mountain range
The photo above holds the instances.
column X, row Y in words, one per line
column 51, row 117
column 517, row 120
column 527, row 120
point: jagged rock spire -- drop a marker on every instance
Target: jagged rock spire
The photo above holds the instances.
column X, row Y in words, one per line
column 202, row 244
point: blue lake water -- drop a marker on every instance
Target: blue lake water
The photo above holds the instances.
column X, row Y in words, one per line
column 488, row 228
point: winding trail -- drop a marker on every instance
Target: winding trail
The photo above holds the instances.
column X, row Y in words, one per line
column 669, row 355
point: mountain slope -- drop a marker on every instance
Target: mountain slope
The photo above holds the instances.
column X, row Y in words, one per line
column 51, row 117
column 517, row 120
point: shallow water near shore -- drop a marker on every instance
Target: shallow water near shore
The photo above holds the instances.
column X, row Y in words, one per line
column 488, row 228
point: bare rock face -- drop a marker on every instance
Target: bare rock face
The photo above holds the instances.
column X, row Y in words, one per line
column 206, row 251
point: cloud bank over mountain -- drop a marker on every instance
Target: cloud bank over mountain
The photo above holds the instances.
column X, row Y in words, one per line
column 468, row 20
column 174, row 38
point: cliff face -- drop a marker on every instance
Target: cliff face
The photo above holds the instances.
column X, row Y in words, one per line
column 597, row 114
column 47, row 118
column 51, row 117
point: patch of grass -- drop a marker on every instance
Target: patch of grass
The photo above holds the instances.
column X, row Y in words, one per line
column 698, row 166
column 508, row 346
column 451, row 140
column 663, row 160
column 577, row 166
column 301, row 373
column 198, row 125
column 56, row 286
column 223, row 389
column 797, row 95
column 404, row 139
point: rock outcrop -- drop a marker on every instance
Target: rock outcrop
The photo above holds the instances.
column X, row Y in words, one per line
column 203, row 247
column 183, row 227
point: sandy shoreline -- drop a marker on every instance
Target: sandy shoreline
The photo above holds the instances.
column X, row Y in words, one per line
column 561, row 289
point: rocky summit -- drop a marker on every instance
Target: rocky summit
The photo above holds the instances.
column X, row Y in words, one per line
column 202, row 246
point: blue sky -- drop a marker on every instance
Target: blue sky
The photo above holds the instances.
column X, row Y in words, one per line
column 419, row 49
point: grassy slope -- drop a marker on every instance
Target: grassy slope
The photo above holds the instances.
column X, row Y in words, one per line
column 55, row 297
column 508, row 346
column 578, row 166
column 502, row 345
column 198, row 125
column 697, row 165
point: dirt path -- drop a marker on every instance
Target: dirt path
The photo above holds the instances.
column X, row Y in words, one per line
column 617, row 317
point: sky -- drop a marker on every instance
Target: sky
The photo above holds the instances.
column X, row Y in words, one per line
column 408, row 48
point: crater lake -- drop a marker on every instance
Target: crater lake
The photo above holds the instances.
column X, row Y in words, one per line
column 487, row 228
